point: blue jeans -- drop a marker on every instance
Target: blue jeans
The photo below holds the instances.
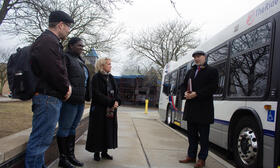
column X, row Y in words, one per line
column 69, row 119
column 46, row 111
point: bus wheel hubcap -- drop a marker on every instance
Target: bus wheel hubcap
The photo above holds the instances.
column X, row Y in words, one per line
column 247, row 146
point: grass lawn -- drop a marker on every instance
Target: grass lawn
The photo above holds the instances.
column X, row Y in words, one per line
column 16, row 116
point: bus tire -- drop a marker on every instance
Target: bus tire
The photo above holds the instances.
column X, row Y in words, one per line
column 247, row 143
column 168, row 119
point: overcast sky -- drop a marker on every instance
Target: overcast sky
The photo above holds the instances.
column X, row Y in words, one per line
column 210, row 15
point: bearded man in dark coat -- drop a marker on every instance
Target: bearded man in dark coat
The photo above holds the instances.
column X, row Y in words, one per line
column 200, row 83
column 103, row 125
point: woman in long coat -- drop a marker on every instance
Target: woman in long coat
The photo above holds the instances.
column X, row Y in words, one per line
column 103, row 125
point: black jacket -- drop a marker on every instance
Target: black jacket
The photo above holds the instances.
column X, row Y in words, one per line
column 201, row 109
column 75, row 68
column 102, row 131
column 47, row 62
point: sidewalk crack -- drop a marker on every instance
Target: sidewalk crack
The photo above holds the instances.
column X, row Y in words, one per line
column 147, row 159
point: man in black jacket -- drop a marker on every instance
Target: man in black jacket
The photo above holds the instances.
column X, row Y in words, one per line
column 198, row 88
column 48, row 64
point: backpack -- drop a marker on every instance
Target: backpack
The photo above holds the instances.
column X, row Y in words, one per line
column 22, row 81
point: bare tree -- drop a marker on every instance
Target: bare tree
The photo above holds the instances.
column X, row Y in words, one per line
column 11, row 8
column 135, row 66
column 109, row 5
column 92, row 19
column 168, row 41
column 131, row 70
column 149, row 86
column 173, row 3
column 151, row 80
column 8, row 6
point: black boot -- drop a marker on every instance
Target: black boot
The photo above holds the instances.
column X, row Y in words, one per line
column 96, row 156
column 70, row 155
column 62, row 147
column 105, row 155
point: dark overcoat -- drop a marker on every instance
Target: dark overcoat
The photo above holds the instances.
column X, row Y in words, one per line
column 201, row 108
column 102, row 131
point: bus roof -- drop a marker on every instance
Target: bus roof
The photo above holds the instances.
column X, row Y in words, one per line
column 253, row 17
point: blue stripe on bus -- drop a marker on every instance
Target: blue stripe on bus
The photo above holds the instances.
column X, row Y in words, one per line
column 265, row 132
column 269, row 133
column 221, row 122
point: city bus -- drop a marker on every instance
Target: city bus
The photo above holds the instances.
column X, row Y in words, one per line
column 246, row 103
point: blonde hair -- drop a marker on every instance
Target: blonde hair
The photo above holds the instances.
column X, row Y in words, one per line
column 100, row 64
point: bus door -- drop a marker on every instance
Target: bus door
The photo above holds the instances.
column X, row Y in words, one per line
column 179, row 104
column 172, row 95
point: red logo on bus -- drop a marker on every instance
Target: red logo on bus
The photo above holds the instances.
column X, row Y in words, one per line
column 251, row 18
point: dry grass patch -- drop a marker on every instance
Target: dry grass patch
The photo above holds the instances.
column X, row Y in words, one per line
column 16, row 116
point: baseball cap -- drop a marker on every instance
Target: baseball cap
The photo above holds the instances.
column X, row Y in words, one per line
column 198, row 52
column 60, row 16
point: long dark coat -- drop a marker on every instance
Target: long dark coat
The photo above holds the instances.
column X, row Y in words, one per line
column 102, row 131
column 201, row 108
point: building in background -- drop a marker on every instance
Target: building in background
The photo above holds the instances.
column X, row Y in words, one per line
column 92, row 56
column 90, row 60
column 134, row 89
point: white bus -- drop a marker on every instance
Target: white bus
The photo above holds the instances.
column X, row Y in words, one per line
column 247, row 109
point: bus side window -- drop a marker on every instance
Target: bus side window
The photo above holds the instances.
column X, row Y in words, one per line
column 166, row 85
column 249, row 73
column 183, row 72
column 221, row 70
column 218, row 55
column 218, row 59
column 248, row 64
column 173, row 83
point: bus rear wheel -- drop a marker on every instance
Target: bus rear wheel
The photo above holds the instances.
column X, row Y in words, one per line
column 247, row 143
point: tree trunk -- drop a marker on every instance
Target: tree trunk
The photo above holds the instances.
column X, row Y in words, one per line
column 4, row 10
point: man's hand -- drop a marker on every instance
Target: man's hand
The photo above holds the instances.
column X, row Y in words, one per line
column 186, row 94
column 190, row 95
column 116, row 105
column 68, row 94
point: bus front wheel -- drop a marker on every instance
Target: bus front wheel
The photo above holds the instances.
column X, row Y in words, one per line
column 168, row 116
column 247, row 143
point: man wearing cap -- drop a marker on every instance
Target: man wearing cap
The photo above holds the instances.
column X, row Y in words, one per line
column 48, row 64
column 198, row 88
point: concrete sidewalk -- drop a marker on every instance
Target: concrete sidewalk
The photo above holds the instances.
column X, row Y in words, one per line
column 7, row 99
column 144, row 142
